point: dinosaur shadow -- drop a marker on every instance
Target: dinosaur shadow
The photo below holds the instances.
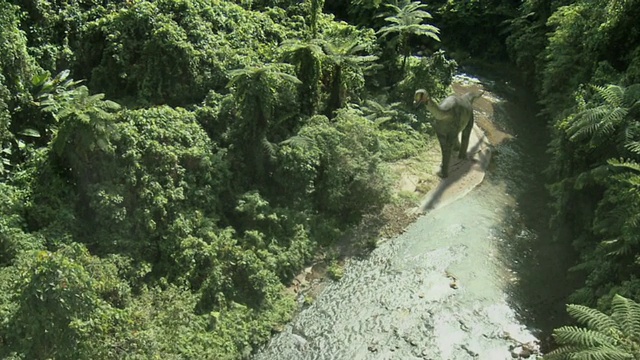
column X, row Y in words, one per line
column 464, row 175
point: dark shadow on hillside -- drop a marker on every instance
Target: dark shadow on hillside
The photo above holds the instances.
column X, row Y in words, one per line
column 539, row 263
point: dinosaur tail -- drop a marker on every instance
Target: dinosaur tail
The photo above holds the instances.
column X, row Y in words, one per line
column 473, row 95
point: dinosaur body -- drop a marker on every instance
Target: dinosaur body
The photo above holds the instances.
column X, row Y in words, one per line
column 452, row 116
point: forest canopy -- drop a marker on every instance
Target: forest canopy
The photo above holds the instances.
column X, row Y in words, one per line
column 167, row 167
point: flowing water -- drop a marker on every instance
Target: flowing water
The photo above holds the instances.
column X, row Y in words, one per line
column 470, row 280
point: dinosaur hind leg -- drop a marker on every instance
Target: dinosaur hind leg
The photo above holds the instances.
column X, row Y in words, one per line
column 446, row 146
column 466, row 133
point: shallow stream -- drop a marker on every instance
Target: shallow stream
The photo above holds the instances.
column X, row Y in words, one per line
column 470, row 280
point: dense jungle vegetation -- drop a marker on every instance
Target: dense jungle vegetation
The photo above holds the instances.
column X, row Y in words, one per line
column 167, row 166
column 583, row 60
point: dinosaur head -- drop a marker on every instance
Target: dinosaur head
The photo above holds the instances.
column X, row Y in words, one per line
column 420, row 97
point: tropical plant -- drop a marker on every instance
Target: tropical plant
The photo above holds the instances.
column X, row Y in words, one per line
column 82, row 122
column 307, row 57
column 604, row 337
column 596, row 192
column 406, row 21
column 67, row 303
column 255, row 91
column 316, row 9
column 350, row 180
column 347, row 70
column 16, row 67
column 379, row 113
column 600, row 123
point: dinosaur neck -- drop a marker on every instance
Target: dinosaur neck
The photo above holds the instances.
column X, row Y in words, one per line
column 435, row 110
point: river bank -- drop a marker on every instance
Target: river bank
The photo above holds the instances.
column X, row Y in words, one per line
column 467, row 275
column 416, row 181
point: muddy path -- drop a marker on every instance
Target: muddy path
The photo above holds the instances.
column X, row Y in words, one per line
column 476, row 276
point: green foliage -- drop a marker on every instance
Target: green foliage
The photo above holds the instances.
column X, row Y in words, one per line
column 82, row 120
column 15, row 71
column 433, row 73
column 174, row 52
column 407, row 21
column 307, row 58
column 397, row 136
column 261, row 95
column 566, row 65
column 474, row 29
column 162, row 171
column 335, row 271
column 614, row 336
column 54, row 28
column 346, row 79
column 147, row 230
column 66, row 305
column 277, row 235
column 526, row 39
column 586, row 147
column 13, row 239
column 350, row 180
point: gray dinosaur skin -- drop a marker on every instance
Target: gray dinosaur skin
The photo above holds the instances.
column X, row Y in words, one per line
column 452, row 116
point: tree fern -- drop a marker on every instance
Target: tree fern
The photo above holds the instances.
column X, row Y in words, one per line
column 603, row 353
column 593, row 318
column 607, row 117
column 630, row 165
column 407, row 20
column 606, row 337
column 583, row 337
column 627, row 314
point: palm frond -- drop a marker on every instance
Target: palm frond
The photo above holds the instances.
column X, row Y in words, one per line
column 613, row 119
column 620, row 247
column 421, row 14
column 269, row 147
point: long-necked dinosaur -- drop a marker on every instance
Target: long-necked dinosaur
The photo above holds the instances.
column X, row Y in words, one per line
column 452, row 116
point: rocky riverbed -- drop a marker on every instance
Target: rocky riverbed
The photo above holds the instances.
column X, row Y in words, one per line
column 459, row 281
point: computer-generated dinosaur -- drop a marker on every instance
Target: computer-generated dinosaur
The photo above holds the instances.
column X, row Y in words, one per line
column 452, row 116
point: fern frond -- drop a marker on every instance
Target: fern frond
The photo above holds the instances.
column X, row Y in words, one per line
column 602, row 353
column 562, row 353
column 621, row 247
column 573, row 335
column 627, row 313
column 587, row 122
column 594, row 319
column 631, row 95
column 269, row 147
column 299, row 141
column 612, row 94
column 613, row 119
column 633, row 146
column 631, row 165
